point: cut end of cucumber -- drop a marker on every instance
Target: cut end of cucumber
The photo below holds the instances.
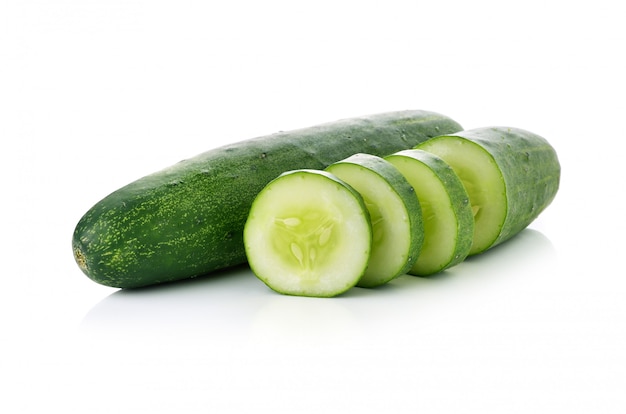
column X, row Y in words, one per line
column 483, row 181
column 308, row 234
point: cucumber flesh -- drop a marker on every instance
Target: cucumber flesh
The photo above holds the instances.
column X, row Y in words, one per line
column 308, row 234
column 395, row 214
column 447, row 214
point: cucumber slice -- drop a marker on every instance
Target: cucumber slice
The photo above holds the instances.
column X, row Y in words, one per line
column 447, row 213
column 308, row 234
column 511, row 175
column 395, row 214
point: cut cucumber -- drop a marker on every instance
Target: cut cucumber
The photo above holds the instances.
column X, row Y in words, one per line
column 447, row 213
column 511, row 175
column 308, row 234
column 395, row 213
column 187, row 220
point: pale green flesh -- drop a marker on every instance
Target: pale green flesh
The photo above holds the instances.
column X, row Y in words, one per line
column 308, row 234
column 391, row 227
column 483, row 181
column 440, row 223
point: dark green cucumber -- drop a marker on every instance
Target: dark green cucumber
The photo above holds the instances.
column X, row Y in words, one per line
column 511, row 176
column 187, row 220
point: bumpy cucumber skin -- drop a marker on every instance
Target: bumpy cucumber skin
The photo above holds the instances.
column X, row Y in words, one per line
column 459, row 198
column 530, row 168
column 187, row 220
column 406, row 193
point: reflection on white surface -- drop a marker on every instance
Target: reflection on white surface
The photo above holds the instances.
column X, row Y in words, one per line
column 482, row 329
column 234, row 302
column 218, row 302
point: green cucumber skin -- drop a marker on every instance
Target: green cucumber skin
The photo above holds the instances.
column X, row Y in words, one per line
column 530, row 168
column 187, row 220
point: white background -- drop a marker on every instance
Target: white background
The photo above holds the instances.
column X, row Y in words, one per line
column 94, row 94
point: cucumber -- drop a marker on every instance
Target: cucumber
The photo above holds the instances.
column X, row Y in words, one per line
column 511, row 176
column 187, row 220
column 308, row 234
column 447, row 213
column 395, row 213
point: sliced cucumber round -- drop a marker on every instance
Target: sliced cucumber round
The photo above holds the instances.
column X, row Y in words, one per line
column 511, row 176
column 308, row 234
column 447, row 213
column 395, row 213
